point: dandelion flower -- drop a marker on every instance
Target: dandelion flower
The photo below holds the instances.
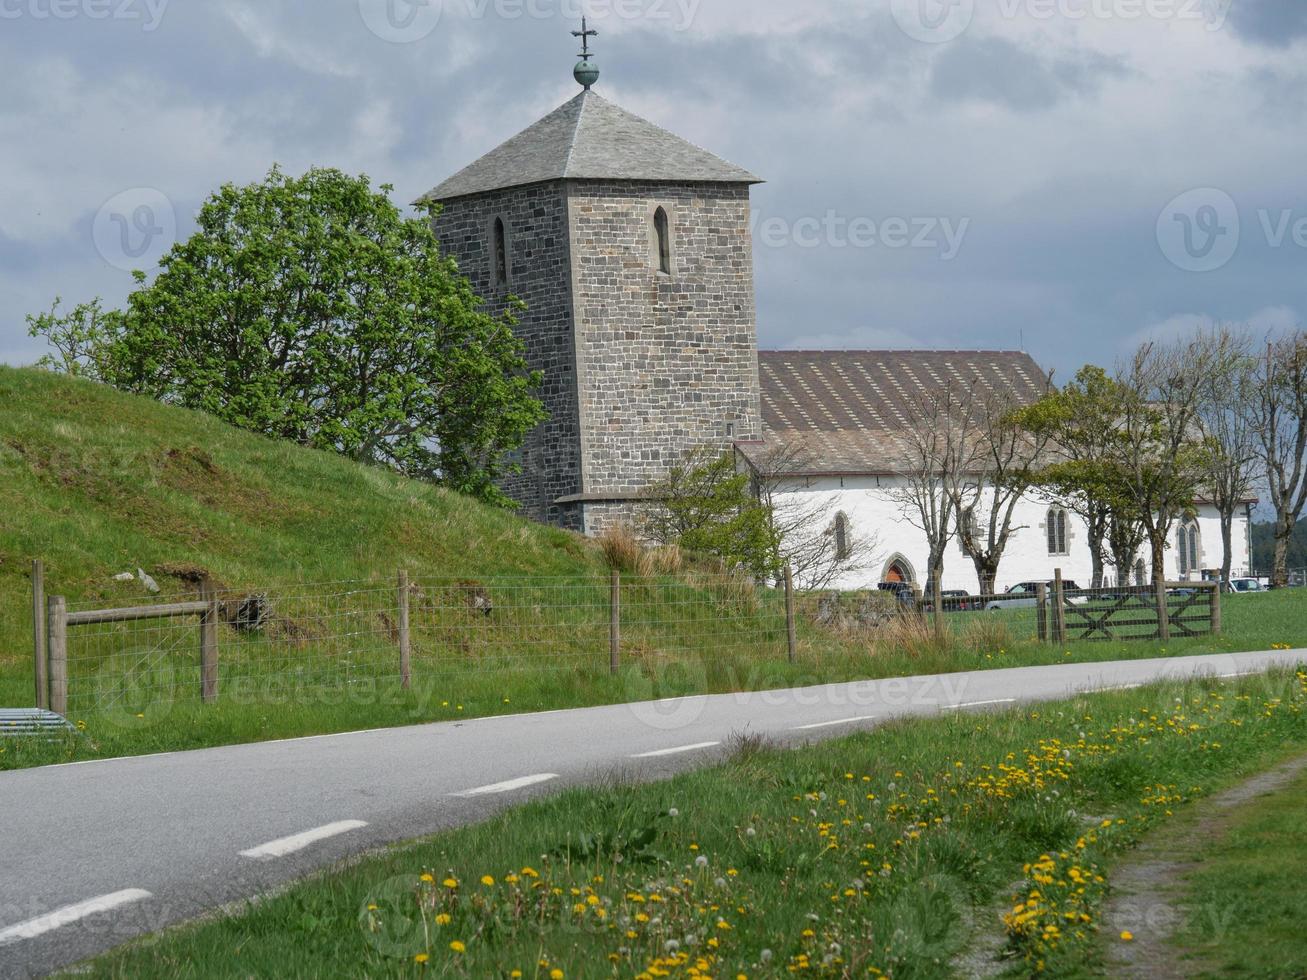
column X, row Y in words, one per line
column 487, row 881
column 458, row 946
column 1127, row 937
column 421, row 958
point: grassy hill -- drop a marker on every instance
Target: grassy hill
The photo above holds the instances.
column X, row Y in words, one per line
column 96, row 483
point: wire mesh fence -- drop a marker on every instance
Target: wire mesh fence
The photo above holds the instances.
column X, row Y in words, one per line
column 269, row 646
column 362, row 640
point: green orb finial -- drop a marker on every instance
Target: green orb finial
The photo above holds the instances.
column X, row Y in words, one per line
column 585, row 73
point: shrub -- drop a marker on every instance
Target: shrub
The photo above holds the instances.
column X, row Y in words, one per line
column 623, row 551
column 984, row 633
column 913, row 634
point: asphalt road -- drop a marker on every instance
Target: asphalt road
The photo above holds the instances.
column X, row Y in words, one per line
column 93, row 854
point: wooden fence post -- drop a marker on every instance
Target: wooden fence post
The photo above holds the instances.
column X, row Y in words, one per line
column 405, row 649
column 791, row 636
column 1041, row 611
column 209, row 643
column 1216, row 607
column 40, row 660
column 1059, row 609
column 57, row 637
column 937, row 597
column 615, row 623
column 1163, row 611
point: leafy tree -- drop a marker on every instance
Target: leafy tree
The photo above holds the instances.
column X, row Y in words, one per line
column 309, row 309
column 1082, row 425
column 1279, row 417
column 936, row 449
column 1001, row 468
column 707, row 506
column 1263, row 542
column 1161, row 455
column 82, row 339
column 1228, row 426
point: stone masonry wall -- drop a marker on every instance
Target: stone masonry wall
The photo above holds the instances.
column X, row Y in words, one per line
column 667, row 363
column 535, row 220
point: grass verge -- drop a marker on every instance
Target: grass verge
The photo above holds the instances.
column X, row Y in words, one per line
column 283, row 706
column 879, row 854
column 1246, row 899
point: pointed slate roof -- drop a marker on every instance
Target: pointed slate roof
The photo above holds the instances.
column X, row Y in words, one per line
column 589, row 138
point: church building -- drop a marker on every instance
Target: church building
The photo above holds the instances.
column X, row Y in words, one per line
column 632, row 250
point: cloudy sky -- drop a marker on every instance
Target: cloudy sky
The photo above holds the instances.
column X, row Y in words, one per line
column 1077, row 174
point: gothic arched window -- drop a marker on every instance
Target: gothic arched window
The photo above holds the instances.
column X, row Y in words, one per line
column 501, row 252
column 663, row 234
column 843, row 546
column 1057, row 536
column 1188, row 548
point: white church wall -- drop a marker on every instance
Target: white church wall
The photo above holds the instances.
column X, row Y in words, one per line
column 873, row 514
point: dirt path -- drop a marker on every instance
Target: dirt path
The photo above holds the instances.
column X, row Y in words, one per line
column 1147, row 888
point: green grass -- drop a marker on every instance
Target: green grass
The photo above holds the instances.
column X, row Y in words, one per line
column 95, row 482
column 1247, row 896
column 894, row 850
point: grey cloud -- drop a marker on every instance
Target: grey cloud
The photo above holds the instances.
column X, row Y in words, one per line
column 993, row 69
column 851, row 116
column 1277, row 23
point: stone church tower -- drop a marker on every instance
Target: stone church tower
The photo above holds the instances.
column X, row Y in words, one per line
column 633, row 253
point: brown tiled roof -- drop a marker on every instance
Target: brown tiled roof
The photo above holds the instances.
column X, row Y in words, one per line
column 849, row 409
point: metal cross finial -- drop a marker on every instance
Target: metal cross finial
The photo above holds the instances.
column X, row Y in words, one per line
column 585, row 34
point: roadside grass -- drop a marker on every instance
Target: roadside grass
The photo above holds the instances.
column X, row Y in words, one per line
column 281, row 705
column 96, row 482
column 885, row 853
column 1247, row 896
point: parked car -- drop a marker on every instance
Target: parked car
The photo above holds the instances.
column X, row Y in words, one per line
column 902, row 591
column 1025, row 595
column 1246, row 585
column 955, row 600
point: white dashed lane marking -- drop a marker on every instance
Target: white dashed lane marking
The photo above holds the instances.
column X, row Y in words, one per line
column 676, row 751
column 833, row 724
column 297, row 842
column 70, row 914
column 509, row 785
column 980, row 704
